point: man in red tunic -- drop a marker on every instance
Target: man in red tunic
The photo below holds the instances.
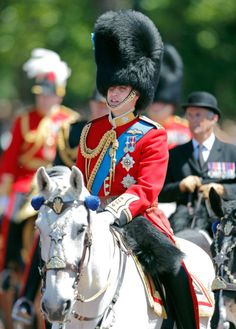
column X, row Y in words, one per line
column 167, row 99
column 123, row 156
column 33, row 144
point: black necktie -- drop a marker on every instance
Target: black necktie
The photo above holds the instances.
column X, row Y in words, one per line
column 200, row 155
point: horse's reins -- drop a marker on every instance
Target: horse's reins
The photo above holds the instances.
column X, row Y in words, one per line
column 109, row 308
column 196, row 209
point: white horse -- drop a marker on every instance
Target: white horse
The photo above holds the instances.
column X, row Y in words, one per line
column 89, row 281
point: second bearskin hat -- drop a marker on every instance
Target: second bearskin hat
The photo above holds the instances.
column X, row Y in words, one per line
column 128, row 51
column 169, row 88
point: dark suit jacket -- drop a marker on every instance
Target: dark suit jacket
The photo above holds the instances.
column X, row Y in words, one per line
column 182, row 164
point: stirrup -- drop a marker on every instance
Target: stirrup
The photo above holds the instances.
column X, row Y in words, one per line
column 23, row 311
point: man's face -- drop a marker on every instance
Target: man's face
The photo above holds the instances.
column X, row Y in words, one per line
column 116, row 95
column 201, row 121
column 46, row 102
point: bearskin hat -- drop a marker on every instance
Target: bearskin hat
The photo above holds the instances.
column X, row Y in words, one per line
column 128, row 51
column 169, row 88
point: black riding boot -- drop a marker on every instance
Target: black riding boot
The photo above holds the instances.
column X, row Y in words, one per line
column 162, row 259
column 180, row 299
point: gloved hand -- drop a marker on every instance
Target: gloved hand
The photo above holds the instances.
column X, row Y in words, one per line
column 190, row 183
column 205, row 189
column 107, row 216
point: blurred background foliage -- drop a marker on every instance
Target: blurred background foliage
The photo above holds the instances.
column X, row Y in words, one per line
column 203, row 31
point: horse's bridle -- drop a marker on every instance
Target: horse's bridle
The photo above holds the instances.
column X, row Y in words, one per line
column 227, row 228
column 56, row 263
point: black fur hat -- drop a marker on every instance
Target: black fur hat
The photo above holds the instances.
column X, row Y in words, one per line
column 169, row 88
column 128, row 51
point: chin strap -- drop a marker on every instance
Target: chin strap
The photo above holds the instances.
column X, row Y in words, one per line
column 128, row 99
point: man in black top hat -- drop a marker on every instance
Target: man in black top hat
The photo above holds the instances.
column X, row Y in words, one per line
column 198, row 165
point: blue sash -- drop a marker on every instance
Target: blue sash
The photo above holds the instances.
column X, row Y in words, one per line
column 103, row 170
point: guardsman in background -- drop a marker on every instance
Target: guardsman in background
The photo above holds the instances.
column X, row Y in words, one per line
column 167, row 98
column 24, row 311
column 166, row 101
column 33, row 144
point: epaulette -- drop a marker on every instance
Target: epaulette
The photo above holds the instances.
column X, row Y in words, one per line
column 180, row 120
column 154, row 123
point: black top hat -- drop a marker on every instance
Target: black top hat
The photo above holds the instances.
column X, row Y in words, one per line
column 202, row 99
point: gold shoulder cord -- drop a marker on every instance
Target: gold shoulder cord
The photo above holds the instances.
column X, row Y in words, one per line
column 37, row 138
column 109, row 138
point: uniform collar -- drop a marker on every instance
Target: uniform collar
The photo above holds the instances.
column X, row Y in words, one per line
column 208, row 143
column 122, row 119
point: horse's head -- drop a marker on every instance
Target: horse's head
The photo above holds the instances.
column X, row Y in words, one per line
column 63, row 222
column 224, row 244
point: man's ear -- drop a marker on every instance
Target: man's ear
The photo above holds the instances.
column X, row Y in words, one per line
column 215, row 118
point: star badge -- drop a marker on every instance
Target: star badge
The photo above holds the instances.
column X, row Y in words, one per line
column 57, row 234
column 219, row 259
column 127, row 162
column 128, row 181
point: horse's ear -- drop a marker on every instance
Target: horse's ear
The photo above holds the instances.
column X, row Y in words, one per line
column 216, row 202
column 76, row 180
column 43, row 180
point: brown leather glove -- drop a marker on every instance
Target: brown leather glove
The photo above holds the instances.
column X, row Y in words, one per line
column 189, row 184
column 204, row 189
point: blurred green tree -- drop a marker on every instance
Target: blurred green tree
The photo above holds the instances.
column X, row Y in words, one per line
column 203, row 31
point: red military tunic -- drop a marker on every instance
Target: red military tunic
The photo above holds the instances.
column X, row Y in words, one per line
column 177, row 131
column 138, row 176
column 145, row 162
column 33, row 145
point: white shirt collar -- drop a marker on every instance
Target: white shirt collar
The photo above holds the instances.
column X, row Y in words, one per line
column 208, row 143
